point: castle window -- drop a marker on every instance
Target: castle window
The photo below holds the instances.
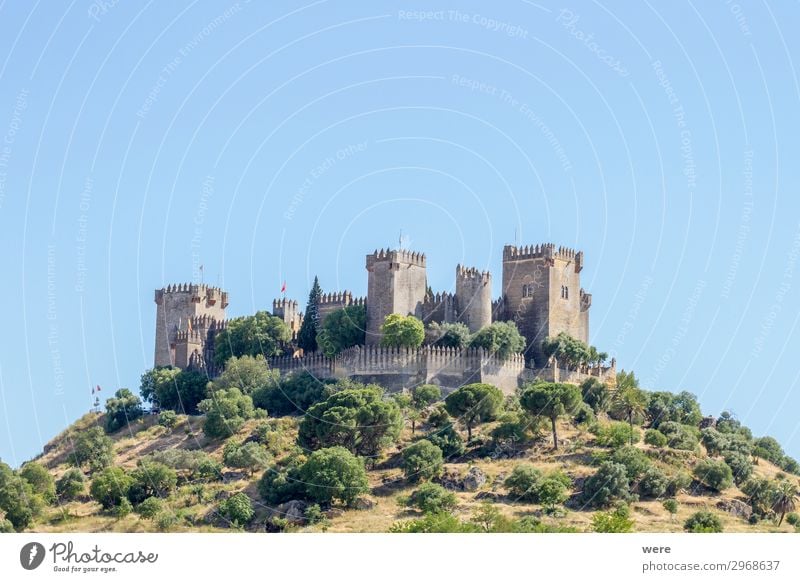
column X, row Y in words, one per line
column 527, row 290
column 564, row 292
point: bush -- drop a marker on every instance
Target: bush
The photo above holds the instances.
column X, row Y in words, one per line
column 671, row 505
column 422, row 461
column 280, row 484
column 678, row 482
column 149, row 508
column 334, row 474
column 110, row 487
column 439, row 416
column 432, row 498
column 250, row 456
column 713, row 474
column 123, row 408
column 402, row 331
column 70, row 485
column 168, row 419
column 248, row 374
column 40, row 480
column 174, row 389
column 522, row 481
column 238, row 508
column 668, row 407
column 680, row 436
column 634, row 461
column 295, row 393
column 226, row 411
column 768, row 448
column 703, row 522
column 166, row 520
column 741, row 466
column 122, row 509
column 92, row 447
column 449, row 441
column 654, row 483
column 552, row 490
column 449, row 335
column 793, row 519
column 501, row 338
column 358, row 419
column 342, row 329
column 655, row 438
column 209, row 470
column 608, row 484
column 616, row 434
column 17, row 500
column 258, row 334
column 616, row 521
column 596, row 395
column 151, row 479
column 584, row 414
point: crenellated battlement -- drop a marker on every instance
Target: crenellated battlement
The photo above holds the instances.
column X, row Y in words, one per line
column 439, row 297
column 190, row 336
column 195, row 292
column 342, row 298
column 543, row 251
column 472, row 273
column 283, row 303
column 397, row 256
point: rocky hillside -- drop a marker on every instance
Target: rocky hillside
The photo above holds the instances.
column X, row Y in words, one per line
column 195, row 482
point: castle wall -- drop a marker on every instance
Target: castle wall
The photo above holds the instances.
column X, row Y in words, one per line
column 439, row 308
column 287, row 310
column 175, row 305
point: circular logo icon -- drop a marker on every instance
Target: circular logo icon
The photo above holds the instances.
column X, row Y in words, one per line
column 31, row 555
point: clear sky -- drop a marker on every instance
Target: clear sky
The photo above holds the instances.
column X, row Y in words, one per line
column 273, row 141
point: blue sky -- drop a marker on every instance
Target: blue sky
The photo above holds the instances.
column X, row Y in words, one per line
column 275, row 141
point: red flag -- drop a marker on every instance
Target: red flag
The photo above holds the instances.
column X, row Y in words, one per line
column 283, row 287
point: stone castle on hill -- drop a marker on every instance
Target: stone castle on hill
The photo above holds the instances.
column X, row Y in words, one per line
column 540, row 293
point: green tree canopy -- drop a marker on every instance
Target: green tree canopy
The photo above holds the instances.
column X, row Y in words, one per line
column 295, row 393
column 307, row 336
column 247, row 373
column 501, row 338
column 550, row 400
column 91, row 447
column 474, row 403
column 359, row 419
column 447, row 335
column 571, row 352
column 110, row 487
column 70, row 485
column 150, row 479
column 422, row 461
column 18, row 501
column 405, row 331
column 174, row 389
column 41, row 480
column 334, row 474
column 226, row 411
column 342, row 329
column 259, row 334
column 122, row 408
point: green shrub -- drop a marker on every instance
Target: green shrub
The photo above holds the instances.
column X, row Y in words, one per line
column 122, row 509
column 584, row 414
column 166, row 520
column 615, row 521
column 608, row 484
column 70, row 485
column 209, row 470
column 168, row 419
column 522, row 481
column 655, row 438
column 281, row 484
column 151, row 479
column 343, row 328
column 615, row 434
column 678, row 482
column 671, row 505
column 334, row 474
column 422, row 461
column 40, row 479
column 474, row 404
column 149, row 508
column 19, row 505
column 703, row 522
column 501, row 338
column 634, row 460
column 402, row 331
column 653, row 483
column 295, row 393
column 432, row 498
column 93, row 447
column 741, row 466
column 121, row 409
column 238, row 508
column 680, row 436
column 226, row 412
column 250, row 456
column 449, row 441
column 713, row 474
column 439, row 416
column 314, row 514
column 793, row 519
column 110, row 487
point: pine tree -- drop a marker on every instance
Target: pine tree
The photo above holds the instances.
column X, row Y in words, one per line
column 307, row 337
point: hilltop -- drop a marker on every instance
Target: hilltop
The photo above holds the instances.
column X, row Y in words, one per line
column 189, row 480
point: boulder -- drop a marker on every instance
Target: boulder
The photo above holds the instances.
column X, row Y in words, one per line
column 294, row 512
column 364, row 503
column 474, row 479
column 735, row 507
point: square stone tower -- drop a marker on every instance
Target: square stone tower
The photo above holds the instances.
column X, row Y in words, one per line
column 184, row 313
column 474, row 297
column 396, row 283
column 542, row 294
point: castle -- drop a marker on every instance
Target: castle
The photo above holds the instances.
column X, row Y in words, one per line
column 540, row 293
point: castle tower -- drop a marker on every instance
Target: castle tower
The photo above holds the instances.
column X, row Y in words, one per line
column 474, row 297
column 184, row 314
column 543, row 296
column 397, row 283
column 287, row 310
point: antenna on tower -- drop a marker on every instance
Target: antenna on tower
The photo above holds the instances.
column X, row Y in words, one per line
column 400, row 240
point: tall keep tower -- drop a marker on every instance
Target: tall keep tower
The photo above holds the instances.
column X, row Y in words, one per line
column 474, row 297
column 184, row 315
column 542, row 294
column 397, row 283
